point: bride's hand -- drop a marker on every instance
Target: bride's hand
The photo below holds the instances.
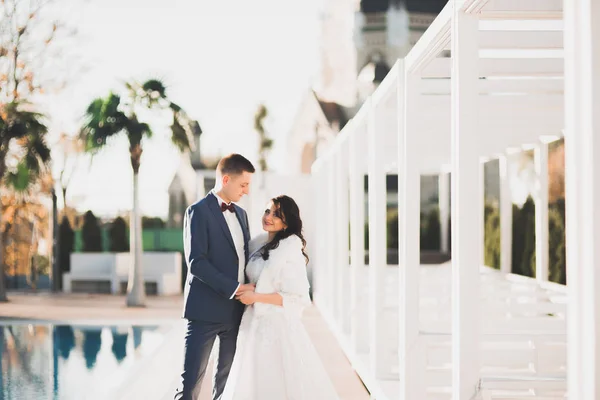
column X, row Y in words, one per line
column 247, row 298
column 245, row 288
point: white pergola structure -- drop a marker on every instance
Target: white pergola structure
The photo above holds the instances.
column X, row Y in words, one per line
column 520, row 73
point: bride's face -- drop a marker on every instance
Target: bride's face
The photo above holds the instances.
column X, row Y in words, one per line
column 272, row 220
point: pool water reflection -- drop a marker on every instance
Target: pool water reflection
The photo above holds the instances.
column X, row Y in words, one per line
column 65, row 362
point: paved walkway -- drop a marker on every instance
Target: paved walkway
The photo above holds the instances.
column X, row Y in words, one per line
column 151, row 380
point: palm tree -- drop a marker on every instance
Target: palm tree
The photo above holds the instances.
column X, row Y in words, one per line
column 24, row 156
column 113, row 115
column 264, row 142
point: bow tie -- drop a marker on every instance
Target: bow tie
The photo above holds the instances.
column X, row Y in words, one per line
column 225, row 207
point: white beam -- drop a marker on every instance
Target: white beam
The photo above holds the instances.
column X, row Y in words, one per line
column 506, row 216
column 582, row 144
column 495, row 141
column 542, row 252
column 388, row 120
column 512, row 25
column 520, row 130
column 502, row 105
column 440, row 67
column 519, row 9
column 521, row 54
column 432, row 42
column 522, row 39
column 466, row 223
column 387, row 88
column 333, row 276
column 480, row 242
column 377, row 244
column 358, row 328
column 535, row 86
column 523, row 15
column 409, row 203
column 342, row 233
column 322, row 267
column 444, row 206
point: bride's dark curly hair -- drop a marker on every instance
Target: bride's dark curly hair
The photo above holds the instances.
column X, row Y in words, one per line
column 290, row 215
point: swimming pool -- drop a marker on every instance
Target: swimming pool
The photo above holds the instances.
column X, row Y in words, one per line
column 64, row 362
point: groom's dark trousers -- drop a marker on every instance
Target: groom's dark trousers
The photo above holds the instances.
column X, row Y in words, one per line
column 209, row 308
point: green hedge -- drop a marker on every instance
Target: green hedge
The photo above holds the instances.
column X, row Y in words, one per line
column 91, row 233
column 523, row 239
column 66, row 241
column 119, row 236
column 430, row 230
column 152, row 240
column 558, row 256
column 492, row 237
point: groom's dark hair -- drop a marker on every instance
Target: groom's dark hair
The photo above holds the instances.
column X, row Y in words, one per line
column 234, row 164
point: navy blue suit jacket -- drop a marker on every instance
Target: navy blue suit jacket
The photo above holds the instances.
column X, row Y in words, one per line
column 212, row 263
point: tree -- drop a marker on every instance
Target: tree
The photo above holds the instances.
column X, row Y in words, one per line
column 71, row 151
column 91, row 233
column 30, row 40
column 265, row 143
column 153, row 223
column 523, row 251
column 27, row 41
column 557, row 260
column 430, row 230
column 492, row 236
column 24, row 222
column 113, row 115
column 392, row 228
column 23, row 157
column 67, row 243
column 556, row 171
column 118, row 236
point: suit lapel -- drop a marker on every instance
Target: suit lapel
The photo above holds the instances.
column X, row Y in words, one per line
column 216, row 209
column 245, row 230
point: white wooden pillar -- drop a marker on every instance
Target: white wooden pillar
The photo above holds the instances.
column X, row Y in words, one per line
column 329, row 242
column 409, row 205
column 358, row 328
column 320, row 262
column 377, row 243
column 541, row 212
column 582, row 144
column 342, row 234
column 506, row 216
column 444, row 206
column 481, row 211
column 466, row 224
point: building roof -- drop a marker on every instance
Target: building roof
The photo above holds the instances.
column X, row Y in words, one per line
column 374, row 71
column 334, row 112
column 420, row 6
column 381, row 70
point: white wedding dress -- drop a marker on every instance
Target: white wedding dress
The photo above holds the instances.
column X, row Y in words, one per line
column 275, row 359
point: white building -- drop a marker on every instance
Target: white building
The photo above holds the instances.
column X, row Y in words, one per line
column 315, row 126
column 191, row 182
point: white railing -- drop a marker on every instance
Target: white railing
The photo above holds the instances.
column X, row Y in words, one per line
column 459, row 330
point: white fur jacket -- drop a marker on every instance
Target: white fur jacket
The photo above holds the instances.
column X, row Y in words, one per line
column 284, row 273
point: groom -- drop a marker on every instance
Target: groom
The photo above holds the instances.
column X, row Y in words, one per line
column 216, row 236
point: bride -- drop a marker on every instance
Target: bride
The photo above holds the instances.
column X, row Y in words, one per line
column 275, row 359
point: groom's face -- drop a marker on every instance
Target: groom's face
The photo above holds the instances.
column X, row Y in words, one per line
column 236, row 186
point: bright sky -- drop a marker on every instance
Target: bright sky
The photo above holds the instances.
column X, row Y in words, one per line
column 219, row 58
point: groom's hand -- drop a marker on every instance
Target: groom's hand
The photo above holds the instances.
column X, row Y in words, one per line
column 247, row 287
column 248, row 298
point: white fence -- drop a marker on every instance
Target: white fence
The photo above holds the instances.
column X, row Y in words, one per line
column 462, row 331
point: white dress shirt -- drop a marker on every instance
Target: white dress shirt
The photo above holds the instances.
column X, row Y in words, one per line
column 238, row 239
